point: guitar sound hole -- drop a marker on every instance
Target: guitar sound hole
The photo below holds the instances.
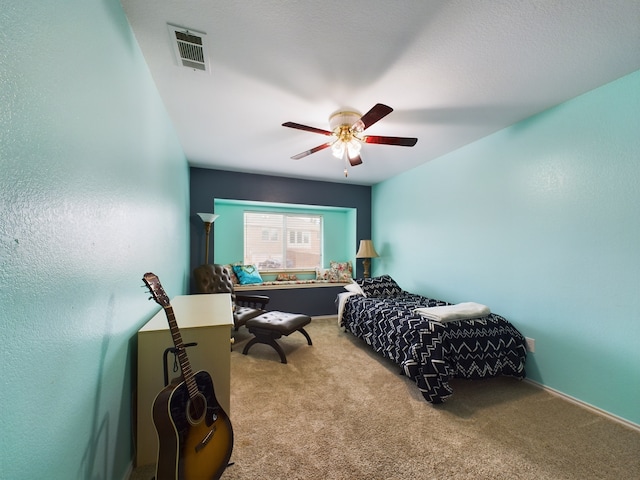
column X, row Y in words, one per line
column 196, row 409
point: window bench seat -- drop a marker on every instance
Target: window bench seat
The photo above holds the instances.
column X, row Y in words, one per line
column 287, row 284
column 308, row 297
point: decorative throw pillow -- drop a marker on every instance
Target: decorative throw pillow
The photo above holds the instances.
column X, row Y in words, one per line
column 322, row 273
column 382, row 286
column 340, row 272
column 247, row 274
column 232, row 274
column 283, row 277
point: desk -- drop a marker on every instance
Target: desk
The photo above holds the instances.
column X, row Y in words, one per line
column 205, row 319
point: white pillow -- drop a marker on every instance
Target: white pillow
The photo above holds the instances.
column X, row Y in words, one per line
column 355, row 288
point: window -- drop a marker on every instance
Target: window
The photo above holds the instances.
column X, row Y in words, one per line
column 331, row 237
column 282, row 241
column 270, row 235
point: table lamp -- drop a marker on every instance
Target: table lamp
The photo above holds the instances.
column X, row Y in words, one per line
column 366, row 252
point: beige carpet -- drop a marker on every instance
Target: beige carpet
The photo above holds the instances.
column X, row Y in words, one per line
column 339, row 411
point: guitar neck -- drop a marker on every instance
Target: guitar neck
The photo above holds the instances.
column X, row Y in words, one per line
column 185, row 365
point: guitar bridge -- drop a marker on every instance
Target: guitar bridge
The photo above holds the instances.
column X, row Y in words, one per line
column 203, row 443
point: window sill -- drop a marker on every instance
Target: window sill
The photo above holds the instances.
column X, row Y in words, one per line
column 287, row 285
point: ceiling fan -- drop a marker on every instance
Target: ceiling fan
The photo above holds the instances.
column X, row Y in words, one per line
column 346, row 127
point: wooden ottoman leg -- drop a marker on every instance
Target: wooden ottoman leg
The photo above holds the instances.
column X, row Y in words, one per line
column 271, row 326
column 304, row 332
column 267, row 340
column 253, row 341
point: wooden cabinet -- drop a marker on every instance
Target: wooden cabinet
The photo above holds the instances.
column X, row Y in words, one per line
column 205, row 319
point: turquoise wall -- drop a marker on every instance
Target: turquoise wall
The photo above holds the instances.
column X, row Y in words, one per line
column 541, row 222
column 93, row 193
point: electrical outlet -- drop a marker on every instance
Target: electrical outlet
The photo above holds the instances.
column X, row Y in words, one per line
column 531, row 344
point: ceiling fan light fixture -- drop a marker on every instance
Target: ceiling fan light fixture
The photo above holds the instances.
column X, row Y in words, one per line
column 337, row 149
column 344, row 117
column 346, row 142
column 353, row 148
column 345, row 125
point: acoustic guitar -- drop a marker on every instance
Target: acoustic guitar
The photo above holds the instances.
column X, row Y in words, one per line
column 194, row 432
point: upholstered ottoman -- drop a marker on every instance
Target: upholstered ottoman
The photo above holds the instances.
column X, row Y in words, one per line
column 270, row 326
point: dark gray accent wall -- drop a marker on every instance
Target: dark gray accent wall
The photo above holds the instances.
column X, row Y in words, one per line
column 310, row 301
column 207, row 184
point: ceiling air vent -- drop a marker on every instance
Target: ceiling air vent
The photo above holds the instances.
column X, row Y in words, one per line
column 189, row 47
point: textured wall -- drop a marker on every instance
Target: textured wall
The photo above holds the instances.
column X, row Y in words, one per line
column 93, row 193
column 540, row 222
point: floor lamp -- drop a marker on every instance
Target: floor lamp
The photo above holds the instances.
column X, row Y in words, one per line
column 366, row 252
column 208, row 219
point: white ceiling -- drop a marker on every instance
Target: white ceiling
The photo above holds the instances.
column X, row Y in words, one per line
column 454, row 71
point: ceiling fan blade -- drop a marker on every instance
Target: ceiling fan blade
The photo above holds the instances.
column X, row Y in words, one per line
column 313, row 150
column 400, row 141
column 355, row 160
column 306, row 128
column 378, row 112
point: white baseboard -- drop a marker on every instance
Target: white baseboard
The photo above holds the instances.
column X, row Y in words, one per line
column 127, row 474
column 325, row 317
column 580, row 403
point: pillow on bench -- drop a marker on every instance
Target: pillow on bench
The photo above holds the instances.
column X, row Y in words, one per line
column 247, row 274
column 339, row 272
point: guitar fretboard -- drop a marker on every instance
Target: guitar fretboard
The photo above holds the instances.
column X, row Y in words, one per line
column 185, row 365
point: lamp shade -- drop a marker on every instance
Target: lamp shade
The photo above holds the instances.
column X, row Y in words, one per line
column 208, row 217
column 366, row 250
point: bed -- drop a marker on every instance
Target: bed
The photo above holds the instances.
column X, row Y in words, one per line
column 430, row 352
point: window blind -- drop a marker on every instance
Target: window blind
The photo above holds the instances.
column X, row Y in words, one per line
column 276, row 241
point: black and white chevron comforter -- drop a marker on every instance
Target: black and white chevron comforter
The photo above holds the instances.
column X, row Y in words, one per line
column 432, row 352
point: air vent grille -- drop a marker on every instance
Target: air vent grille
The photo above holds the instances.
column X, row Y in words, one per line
column 189, row 47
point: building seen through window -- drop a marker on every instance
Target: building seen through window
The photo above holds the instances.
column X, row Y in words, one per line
column 275, row 241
